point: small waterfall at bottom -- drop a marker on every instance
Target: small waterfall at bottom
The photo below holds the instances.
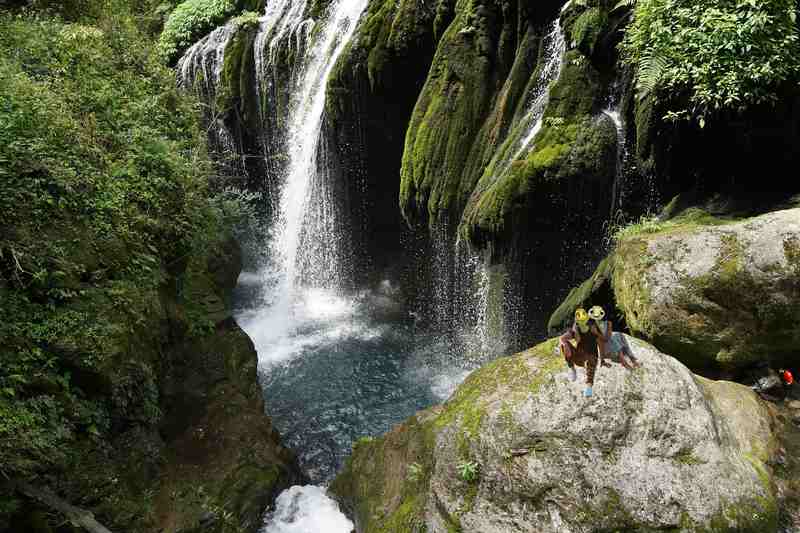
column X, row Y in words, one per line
column 632, row 193
column 306, row 510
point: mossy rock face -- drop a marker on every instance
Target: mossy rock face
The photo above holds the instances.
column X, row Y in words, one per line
column 479, row 78
column 222, row 456
column 462, row 156
column 655, row 449
column 594, row 291
column 720, row 296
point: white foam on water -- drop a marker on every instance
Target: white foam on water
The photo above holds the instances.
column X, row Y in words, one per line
column 249, row 278
column 306, row 509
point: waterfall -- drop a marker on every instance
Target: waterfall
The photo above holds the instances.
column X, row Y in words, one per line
column 554, row 48
column 618, row 191
column 200, row 70
column 466, row 299
column 305, row 241
column 469, row 297
column 306, row 510
column 631, row 193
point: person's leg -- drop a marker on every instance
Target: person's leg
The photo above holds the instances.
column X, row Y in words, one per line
column 624, row 361
column 568, row 352
column 591, row 367
column 628, row 355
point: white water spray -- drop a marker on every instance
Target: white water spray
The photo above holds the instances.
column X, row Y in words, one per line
column 618, row 187
column 200, row 70
column 306, row 510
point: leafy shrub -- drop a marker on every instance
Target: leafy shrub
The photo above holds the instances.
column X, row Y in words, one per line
column 713, row 55
column 248, row 19
column 103, row 195
column 189, row 21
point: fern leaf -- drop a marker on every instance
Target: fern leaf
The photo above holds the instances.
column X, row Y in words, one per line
column 624, row 4
column 650, row 72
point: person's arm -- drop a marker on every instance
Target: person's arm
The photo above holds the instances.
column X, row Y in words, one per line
column 601, row 345
column 566, row 337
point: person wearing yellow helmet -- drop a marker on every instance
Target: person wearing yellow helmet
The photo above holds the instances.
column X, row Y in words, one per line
column 578, row 346
column 611, row 344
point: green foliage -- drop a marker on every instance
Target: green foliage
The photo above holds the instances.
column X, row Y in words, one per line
column 713, row 55
column 586, row 28
column 468, row 471
column 189, row 21
column 649, row 224
column 248, row 19
column 104, row 196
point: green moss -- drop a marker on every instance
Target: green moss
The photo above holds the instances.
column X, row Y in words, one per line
column 580, row 296
column 686, row 457
column 374, row 479
column 234, row 77
column 687, row 220
column 631, row 263
column 725, row 317
column 465, row 109
column 571, row 145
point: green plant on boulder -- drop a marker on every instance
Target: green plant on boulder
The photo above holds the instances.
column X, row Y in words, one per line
column 468, row 471
column 414, row 472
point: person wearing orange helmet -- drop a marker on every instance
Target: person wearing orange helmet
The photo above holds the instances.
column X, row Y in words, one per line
column 578, row 346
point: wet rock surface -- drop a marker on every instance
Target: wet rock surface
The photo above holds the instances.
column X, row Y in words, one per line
column 657, row 448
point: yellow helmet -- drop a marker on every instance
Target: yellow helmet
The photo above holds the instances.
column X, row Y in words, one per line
column 596, row 313
column 581, row 315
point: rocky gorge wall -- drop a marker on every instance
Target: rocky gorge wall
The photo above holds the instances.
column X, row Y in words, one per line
column 447, row 108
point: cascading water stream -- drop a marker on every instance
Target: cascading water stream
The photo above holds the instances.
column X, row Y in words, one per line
column 555, row 46
column 465, row 298
column 618, row 187
column 301, row 279
column 200, row 70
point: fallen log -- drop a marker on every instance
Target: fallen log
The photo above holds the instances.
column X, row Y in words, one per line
column 77, row 516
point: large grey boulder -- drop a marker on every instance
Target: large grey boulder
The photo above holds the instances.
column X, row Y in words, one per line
column 715, row 295
column 655, row 449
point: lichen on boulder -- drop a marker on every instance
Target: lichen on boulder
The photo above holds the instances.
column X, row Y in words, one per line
column 655, row 449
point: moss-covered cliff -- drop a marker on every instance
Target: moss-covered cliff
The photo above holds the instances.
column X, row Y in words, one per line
column 120, row 363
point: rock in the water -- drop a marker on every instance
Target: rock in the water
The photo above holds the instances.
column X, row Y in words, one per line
column 656, row 448
column 716, row 295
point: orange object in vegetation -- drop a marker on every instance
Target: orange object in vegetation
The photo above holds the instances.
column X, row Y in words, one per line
column 787, row 376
